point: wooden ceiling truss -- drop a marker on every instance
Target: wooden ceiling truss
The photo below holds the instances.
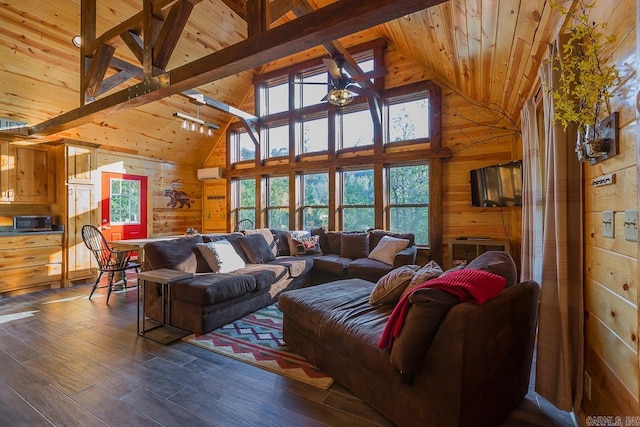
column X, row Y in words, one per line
column 153, row 34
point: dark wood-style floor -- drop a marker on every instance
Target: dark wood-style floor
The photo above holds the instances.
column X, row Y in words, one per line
column 67, row 361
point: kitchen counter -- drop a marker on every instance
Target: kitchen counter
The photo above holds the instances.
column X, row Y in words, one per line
column 9, row 231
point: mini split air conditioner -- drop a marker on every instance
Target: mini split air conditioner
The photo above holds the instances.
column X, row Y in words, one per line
column 209, row 173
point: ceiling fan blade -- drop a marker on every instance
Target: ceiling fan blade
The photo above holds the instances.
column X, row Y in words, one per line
column 378, row 72
column 324, row 98
column 332, row 68
column 358, row 90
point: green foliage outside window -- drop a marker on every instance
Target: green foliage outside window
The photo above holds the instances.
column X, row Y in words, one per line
column 125, row 201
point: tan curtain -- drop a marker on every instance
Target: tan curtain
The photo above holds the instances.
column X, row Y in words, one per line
column 532, row 206
column 559, row 358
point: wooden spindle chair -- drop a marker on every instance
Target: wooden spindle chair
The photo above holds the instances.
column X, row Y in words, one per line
column 110, row 261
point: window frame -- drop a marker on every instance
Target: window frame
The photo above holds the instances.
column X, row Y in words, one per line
column 389, row 205
column 343, row 205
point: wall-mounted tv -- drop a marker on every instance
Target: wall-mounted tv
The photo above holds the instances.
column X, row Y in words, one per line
column 497, row 185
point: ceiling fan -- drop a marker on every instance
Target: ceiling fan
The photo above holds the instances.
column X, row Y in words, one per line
column 343, row 86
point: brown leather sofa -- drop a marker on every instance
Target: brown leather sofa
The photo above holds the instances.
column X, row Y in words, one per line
column 474, row 372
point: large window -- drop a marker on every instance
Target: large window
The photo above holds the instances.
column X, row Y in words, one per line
column 277, row 141
column 315, row 196
column 242, row 147
column 245, row 195
column 408, row 119
column 357, row 200
column 356, row 128
column 352, row 172
column 409, row 201
column 276, row 99
column 278, row 202
column 315, row 135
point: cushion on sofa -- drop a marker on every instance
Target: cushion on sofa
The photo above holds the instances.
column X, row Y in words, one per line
column 221, row 256
column 497, row 262
column 281, row 238
column 354, row 245
column 265, row 275
column 268, row 237
column 376, row 235
column 387, row 249
column 334, row 239
column 428, row 308
column 368, row 269
column 297, row 266
column 176, row 254
column 333, row 264
column 390, row 286
column 212, row 288
column 257, row 248
column 306, row 245
column 323, row 239
column 428, row 271
column 295, row 234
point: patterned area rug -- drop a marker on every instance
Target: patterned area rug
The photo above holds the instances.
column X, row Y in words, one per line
column 257, row 339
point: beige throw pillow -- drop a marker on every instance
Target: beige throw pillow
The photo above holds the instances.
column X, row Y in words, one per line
column 429, row 271
column 390, row 286
column 386, row 250
column 221, row 256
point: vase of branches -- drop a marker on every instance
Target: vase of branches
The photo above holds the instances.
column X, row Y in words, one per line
column 586, row 79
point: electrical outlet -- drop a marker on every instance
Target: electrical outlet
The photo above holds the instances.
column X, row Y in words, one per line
column 607, row 224
column 631, row 225
column 587, row 385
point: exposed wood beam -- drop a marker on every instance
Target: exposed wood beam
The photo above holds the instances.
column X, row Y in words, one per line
column 238, row 6
column 98, row 69
column 87, row 36
column 328, row 23
column 171, row 31
column 134, row 42
column 278, row 8
column 256, row 17
column 113, row 81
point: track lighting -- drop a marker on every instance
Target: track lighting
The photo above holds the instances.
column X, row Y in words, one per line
column 196, row 124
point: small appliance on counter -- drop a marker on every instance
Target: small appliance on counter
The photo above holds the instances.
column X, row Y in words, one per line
column 32, row 223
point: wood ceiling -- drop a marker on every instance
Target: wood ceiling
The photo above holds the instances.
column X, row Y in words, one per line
column 486, row 50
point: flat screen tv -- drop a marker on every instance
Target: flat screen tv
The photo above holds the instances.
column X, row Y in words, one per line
column 497, row 185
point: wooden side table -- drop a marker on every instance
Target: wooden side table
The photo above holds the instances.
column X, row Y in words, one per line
column 164, row 277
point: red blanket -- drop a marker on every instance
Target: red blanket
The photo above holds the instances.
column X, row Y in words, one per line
column 468, row 284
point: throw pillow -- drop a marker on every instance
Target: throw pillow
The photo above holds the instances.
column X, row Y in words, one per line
column 221, row 256
column 497, row 262
column 268, row 236
column 295, row 234
column 390, row 286
column 307, row 245
column 429, row 271
column 333, row 240
column 354, row 245
column 387, row 249
column 256, row 247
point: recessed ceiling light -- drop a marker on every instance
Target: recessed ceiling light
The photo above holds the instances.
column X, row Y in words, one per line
column 76, row 40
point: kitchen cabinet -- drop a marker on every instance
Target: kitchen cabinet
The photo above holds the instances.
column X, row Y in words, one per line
column 30, row 261
column 27, row 174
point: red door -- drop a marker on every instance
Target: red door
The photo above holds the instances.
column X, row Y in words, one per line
column 124, row 206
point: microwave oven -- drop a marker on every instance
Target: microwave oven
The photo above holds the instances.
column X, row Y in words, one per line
column 32, row 223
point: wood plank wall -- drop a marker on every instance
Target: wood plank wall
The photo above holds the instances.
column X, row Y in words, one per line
column 162, row 176
column 611, row 283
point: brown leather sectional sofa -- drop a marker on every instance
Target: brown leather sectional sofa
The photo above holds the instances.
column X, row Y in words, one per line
column 473, row 372
column 209, row 300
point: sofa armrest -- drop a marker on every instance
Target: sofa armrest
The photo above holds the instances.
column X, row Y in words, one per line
column 405, row 257
column 484, row 347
